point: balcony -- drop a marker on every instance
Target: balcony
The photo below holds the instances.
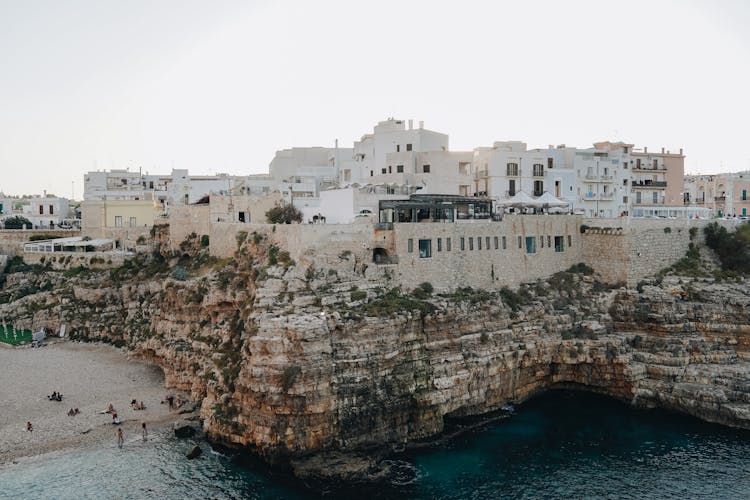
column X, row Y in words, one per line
column 700, row 201
column 720, row 198
column 649, row 184
column 598, row 178
column 644, row 168
column 607, row 196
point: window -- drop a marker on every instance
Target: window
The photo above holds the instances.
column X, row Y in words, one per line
column 471, row 243
column 570, row 242
column 371, row 173
column 408, row 147
column 520, row 243
column 744, row 212
column 151, row 184
column 497, row 242
column 655, row 196
column 398, row 148
column 440, row 244
column 744, row 195
column 410, row 245
column 538, row 188
column 426, row 169
column 463, row 247
column 538, row 170
column 656, row 164
column 512, row 187
column 541, row 241
column 487, row 242
column 425, row 249
column 390, row 169
column 41, row 209
column 133, row 223
column 559, row 244
column 638, row 163
column 512, row 169
column 504, row 243
column 118, row 220
column 382, row 170
column 447, row 244
column 52, row 210
column 479, row 243
column 399, row 169
column 549, row 162
column 549, row 241
column 530, row 244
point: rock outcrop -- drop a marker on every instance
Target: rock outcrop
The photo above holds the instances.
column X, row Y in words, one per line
column 291, row 359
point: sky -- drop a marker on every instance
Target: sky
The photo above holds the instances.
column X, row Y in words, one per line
column 221, row 85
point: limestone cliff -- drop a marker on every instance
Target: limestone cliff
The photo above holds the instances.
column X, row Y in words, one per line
column 291, row 358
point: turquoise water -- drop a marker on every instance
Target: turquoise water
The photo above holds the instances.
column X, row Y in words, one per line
column 559, row 445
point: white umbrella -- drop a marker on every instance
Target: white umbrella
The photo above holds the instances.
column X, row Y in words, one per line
column 520, row 200
column 548, row 200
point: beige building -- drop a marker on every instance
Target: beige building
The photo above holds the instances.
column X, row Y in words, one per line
column 724, row 194
column 656, row 179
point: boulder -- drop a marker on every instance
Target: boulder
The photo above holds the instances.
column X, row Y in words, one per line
column 184, row 431
column 194, row 453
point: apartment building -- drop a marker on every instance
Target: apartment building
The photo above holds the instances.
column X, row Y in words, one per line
column 724, row 194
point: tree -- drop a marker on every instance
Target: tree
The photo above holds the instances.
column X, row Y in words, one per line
column 285, row 214
column 17, row 222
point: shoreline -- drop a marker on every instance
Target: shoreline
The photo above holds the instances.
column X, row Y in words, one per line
column 90, row 377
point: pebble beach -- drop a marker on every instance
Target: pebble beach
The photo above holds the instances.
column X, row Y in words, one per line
column 90, row 377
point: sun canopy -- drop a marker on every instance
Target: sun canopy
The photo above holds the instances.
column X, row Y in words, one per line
column 521, row 199
column 550, row 201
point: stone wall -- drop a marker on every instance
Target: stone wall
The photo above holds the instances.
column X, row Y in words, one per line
column 185, row 220
column 12, row 239
column 505, row 263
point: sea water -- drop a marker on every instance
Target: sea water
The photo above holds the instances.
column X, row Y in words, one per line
column 559, row 445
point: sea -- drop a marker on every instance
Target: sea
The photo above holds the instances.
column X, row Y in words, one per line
column 561, row 444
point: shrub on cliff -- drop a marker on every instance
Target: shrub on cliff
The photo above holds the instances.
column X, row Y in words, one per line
column 733, row 249
column 284, row 215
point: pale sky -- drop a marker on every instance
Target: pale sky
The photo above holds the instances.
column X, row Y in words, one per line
column 219, row 86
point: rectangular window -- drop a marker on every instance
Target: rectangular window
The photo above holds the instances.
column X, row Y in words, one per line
column 512, row 187
column 399, row 169
column 538, row 170
column 382, row 170
column 447, row 244
column 520, row 242
column 549, row 240
column 390, row 169
column 655, row 196
column 744, row 195
column 463, row 241
column 530, row 244
column 371, row 173
column 408, row 147
column 425, row 249
column 426, row 169
column 479, row 243
column 487, row 242
column 440, row 244
column 118, row 220
column 512, row 169
column 504, row 243
column 497, row 243
column 151, row 184
column 410, row 245
column 549, row 162
column 471, row 243
column 41, row 209
column 398, row 148
column 541, row 241
column 52, row 210
column 538, row 188
column 638, row 163
column 559, row 244
column 570, row 241
column 132, row 222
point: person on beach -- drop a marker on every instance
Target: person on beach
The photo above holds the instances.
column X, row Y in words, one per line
column 29, row 427
column 144, row 431
column 170, row 399
column 110, row 408
column 120, row 439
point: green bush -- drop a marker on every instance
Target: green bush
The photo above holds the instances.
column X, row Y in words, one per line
column 17, row 222
column 42, row 237
column 667, row 229
column 358, row 295
column 204, row 240
column 284, row 215
column 733, row 249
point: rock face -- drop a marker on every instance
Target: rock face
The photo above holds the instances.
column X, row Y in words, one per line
column 290, row 359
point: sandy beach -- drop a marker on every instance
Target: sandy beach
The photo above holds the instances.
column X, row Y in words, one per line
column 89, row 376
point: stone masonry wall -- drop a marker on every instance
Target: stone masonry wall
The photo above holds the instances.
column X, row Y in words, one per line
column 11, row 239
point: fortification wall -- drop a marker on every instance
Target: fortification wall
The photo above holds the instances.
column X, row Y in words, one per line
column 607, row 252
column 185, row 220
column 467, row 260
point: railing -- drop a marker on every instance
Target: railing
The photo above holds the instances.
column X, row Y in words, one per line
column 649, row 169
column 720, row 198
column 607, row 196
column 700, row 201
column 649, row 184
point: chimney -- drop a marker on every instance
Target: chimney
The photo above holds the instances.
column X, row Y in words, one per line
column 680, row 151
column 411, row 124
column 645, row 149
column 662, row 150
column 421, row 124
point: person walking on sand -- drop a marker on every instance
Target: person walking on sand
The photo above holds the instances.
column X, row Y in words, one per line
column 144, row 431
column 29, row 427
column 120, row 439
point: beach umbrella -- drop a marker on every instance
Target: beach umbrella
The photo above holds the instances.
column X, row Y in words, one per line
column 548, row 200
column 521, row 200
